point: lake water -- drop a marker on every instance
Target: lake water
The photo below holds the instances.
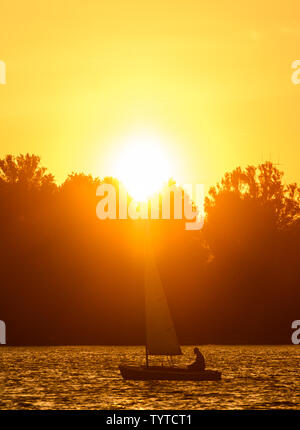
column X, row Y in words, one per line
column 87, row 377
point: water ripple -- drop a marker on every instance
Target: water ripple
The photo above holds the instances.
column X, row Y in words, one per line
column 87, row 377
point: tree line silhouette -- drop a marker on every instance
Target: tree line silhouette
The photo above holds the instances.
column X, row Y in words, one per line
column 69, row 278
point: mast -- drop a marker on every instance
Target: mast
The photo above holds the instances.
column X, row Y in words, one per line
column 161, row 338
column 147, row 361
column 146, row 244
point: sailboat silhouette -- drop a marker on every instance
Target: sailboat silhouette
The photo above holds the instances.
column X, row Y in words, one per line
column 161, row 338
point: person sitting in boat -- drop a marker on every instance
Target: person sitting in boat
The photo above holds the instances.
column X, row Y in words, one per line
column 199, row 363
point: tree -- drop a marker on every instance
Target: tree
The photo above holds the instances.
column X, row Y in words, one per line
column 251, row 229
column 25, row 170
column 248, row 202
column 80, row 182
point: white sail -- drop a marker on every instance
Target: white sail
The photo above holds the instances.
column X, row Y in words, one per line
column 160, row 332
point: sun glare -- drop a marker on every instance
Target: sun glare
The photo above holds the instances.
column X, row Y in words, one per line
column 142, row 166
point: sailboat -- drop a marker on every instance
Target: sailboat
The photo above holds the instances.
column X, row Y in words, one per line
column 161, row 338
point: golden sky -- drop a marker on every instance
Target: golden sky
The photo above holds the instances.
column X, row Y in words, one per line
column 213, row 78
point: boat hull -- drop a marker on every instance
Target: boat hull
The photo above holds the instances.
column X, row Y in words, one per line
column 143, row 373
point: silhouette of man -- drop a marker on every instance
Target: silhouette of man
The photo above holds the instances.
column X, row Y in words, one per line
column 199, row 363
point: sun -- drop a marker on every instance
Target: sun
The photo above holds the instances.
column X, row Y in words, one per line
column 143, row 166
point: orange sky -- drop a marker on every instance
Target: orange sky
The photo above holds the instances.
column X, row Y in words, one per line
column 213, row 79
